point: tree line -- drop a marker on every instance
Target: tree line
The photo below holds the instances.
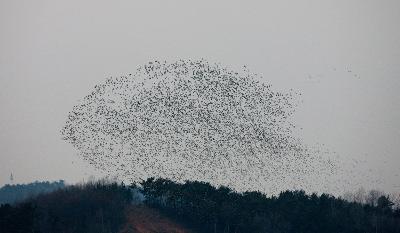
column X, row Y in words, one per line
column 100, row 207
column 211, row 209
column 15, row 193
column 96, row 207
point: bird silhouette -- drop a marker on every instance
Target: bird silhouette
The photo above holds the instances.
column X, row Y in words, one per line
column 191, row 119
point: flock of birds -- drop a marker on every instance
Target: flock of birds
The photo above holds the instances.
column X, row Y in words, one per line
column 193, row 120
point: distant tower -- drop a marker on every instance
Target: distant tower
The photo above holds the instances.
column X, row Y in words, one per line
column 11, row 179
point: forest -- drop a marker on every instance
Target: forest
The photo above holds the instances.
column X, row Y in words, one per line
column 14, row 193
column 210, row 209
column 92, row 207
column 103, row 206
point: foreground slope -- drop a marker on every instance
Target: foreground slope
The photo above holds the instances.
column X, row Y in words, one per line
column 161, row 205
column 143, row 219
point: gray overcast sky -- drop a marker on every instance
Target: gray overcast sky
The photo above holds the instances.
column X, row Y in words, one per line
column 342, row 55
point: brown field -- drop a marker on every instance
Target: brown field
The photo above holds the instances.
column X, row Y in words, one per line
column 142, row 219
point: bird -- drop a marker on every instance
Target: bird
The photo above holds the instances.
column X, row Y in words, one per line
column 192, row 119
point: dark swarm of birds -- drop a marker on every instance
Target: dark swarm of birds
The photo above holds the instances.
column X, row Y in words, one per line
column 193, row 120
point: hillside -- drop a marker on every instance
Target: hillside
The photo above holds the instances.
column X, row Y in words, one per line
column 14, row 193
column 143, row 219
column 161, row 205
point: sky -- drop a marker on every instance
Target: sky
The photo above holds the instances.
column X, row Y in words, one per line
column 342, row 55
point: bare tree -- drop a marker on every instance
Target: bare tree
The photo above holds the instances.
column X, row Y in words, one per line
column 395, row 198
column 360, row 195
column 373, row 196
